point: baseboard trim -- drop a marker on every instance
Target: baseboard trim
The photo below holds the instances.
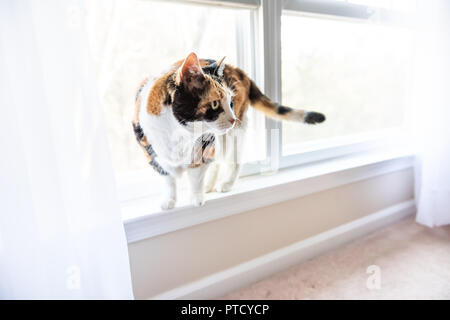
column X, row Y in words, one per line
column 224, row 282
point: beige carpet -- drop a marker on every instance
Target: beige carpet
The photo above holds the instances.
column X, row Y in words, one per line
column 414, row 263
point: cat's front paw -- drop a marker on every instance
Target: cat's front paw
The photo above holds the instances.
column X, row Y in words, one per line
column 198, row 200
column 168, row 204
column 225, row 187
column 209, row 188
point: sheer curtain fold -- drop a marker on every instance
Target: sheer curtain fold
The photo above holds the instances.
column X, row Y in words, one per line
column 61, row 234
column 432, row 112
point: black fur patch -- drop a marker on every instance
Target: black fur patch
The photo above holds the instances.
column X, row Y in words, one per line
column 210, row 61
column 138, row 132
column 254, row 94
column 185, row 104
column 211, row 68
column 168, row 100
column 240, row 74
column 212, row 115
column 150, row 151
column 312, row 117
column 283, row 110
column 171, row 83
column 207, row 140
column 156, row 166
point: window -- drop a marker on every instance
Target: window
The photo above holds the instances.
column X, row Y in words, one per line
column 349, row 59
column 354, row 72
column 345, row 58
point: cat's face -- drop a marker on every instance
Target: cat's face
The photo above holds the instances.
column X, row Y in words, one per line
column 202, row 98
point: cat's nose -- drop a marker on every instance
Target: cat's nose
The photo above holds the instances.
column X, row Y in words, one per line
column 232, row 121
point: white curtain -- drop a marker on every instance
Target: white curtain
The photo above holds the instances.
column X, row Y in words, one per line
column 61, row 234
column 432, row 112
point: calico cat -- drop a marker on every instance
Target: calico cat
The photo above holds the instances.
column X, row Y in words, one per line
column 183, row 117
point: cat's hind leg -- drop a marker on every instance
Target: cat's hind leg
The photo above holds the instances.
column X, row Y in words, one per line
column 233, row 170
column 212, row 176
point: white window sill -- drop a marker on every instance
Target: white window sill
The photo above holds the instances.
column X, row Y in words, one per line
column 144, row 219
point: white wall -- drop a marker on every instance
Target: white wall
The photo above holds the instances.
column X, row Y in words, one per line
column 174, row 259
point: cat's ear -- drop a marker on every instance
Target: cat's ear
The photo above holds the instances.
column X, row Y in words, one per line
column 220, row 67
column 190, row 73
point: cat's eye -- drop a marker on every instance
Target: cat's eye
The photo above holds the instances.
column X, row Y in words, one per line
column 215, row 105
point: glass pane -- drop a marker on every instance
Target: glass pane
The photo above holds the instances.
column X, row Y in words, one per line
column 355, row 73
column 397, row 5
column 131, row 39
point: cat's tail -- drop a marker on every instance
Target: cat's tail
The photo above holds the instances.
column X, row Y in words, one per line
column 273, row 110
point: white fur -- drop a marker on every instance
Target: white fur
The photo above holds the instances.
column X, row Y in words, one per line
column 170, row 197
column 196, row 179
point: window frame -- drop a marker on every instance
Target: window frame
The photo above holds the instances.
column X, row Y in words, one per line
column 265, row 66
column 270, row 16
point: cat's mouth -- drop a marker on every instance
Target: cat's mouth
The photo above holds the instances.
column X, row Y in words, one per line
column 224, row 128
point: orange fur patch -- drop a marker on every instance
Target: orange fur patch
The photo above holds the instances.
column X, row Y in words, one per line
column 138, row 101
column 157, row 95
